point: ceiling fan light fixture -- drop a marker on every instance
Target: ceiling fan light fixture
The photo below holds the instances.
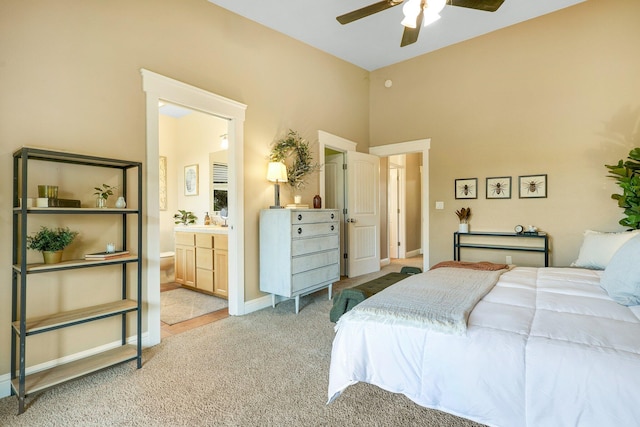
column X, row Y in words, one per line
column 434, row 6
column 430, row 18
column 411, row 10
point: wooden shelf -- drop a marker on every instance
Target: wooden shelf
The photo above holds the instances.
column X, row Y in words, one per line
column 46, row 323
column 75, row 263
column 84, row 211
column 122, row 311
column 50, row 377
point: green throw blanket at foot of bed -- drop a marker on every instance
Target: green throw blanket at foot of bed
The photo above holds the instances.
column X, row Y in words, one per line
column 346, row 299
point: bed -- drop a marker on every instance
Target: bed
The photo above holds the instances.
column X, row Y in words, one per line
column 542, row 347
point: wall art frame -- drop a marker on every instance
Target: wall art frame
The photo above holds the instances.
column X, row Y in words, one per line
column 191, row 180
column 498, row 187
column 466, row 188
column 162, row 172
column 532, row 186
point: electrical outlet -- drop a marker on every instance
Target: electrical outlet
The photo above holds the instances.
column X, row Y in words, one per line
column 439, row 205
column 509, row 260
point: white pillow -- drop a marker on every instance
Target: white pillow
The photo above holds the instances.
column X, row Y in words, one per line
column 598, row 248
column 621, row 278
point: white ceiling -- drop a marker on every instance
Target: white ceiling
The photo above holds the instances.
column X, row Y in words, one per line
column 374, row 42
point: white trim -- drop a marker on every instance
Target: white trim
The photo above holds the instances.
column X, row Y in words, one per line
column 417, row 146
column 158, row 87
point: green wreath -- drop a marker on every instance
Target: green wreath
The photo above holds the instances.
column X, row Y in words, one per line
column 302, row 164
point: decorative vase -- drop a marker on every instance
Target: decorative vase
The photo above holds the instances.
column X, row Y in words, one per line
column 463, row 227
column 120, row 203
column 317, row 202
column 52, row 257
column 297, row 199
column 101, row 203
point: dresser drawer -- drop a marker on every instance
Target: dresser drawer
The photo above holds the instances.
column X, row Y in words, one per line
column 316, row 260
column 187, row 239
column 204, row 240
column 310, row 230
column 314, row 244
column 311, row 278
column 204, row 258
column 309, row 216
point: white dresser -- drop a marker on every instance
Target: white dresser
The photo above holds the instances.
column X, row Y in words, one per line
column 299, row 251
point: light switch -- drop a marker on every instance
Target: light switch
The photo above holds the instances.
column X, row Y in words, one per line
column 439, row 205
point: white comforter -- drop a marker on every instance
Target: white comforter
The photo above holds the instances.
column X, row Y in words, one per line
column 546, row 347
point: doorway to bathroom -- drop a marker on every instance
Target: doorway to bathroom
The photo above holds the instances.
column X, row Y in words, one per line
column 193, row 166
column 157, row 88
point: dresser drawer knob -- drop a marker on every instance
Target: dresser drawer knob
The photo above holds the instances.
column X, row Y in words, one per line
column 299, row 217
column 332, row 216
column 299, row 230
column 332, row 228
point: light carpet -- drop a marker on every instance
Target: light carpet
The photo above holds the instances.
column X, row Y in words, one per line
column 178, row 305
column 268, row 368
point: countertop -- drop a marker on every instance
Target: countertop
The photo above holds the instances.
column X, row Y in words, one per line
column 212, row 229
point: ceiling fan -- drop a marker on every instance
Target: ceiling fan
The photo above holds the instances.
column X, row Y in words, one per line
column 417, row 13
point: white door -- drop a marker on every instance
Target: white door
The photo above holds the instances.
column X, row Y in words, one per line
column 334, row 197
column 363, row 214
column 392, row 199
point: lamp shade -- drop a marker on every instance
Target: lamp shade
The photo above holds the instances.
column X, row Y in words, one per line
column 277, row 172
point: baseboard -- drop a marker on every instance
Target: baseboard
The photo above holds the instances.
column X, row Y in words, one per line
column 257, row 304
column 385, row 261
column 5, row 379
column 416, row 252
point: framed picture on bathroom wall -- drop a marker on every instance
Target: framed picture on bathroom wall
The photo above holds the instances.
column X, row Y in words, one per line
column 163, row 183
column 191, row 180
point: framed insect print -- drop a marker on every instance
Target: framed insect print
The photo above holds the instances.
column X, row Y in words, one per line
column 466, row 188
column 499, row 187
column 532, row 186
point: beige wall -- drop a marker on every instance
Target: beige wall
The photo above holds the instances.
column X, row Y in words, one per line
column 70, row 80
column 413, row 229
column 558, row 95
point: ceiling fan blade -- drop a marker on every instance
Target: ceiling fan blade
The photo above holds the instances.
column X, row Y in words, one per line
column 367, row 10
column 410, row 35
column 486, row 5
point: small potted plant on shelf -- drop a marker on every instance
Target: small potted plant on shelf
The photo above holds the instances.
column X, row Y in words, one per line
column 51, row 242
column 185, row 217
column 103, row 194
column 463, row 215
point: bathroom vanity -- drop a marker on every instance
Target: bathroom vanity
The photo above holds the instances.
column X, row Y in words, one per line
column 202, row 259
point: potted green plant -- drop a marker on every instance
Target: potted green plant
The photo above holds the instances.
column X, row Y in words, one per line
column 463, row 216
column 51, row 242
column 185, row 217
column 103, row 194
column 627, row 175
column 302, row 164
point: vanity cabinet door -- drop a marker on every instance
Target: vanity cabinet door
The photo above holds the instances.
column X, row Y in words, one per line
column 185, row 259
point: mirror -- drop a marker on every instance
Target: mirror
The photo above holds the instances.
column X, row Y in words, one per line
column 224, row 214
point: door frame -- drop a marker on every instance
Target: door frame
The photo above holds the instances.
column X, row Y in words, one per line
column 157, row 87
column 342, row 145
column 417, row 146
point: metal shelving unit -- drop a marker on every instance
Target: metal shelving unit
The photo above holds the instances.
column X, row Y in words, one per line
column 543, row 237
column 22, row 326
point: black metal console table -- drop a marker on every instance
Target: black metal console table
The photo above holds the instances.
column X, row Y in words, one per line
column 544, row 237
